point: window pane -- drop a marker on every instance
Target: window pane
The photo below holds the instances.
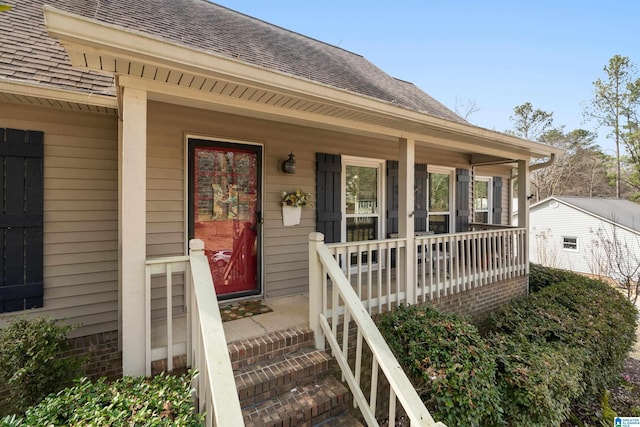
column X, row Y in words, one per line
column 362, row 229
column 570, row 243
column 481, row 195
column 362, row 190
column 481, row 217
column 439, row 192
column 439, row 224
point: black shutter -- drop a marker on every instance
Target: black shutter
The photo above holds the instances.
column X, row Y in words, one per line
column 328, row 207
column 21, row 194
column 497, row 200
column 462, row 200
column 420, row 197
column 392, row 197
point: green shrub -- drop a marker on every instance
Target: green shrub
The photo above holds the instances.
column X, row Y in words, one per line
column 540, row 277
column 537, row 382
column 568, row 341
column 31, row 362
column 448, row 362
column 163, row 400
column 585, row 314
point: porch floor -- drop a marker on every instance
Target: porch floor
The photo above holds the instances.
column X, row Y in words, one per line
column 288, row 312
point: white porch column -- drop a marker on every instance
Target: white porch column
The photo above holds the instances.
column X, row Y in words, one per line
column 406, row 225
column 132, row 175
column 523, row 204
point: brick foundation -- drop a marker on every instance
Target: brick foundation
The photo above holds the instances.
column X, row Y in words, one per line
column 103, row 357
column 478, row 302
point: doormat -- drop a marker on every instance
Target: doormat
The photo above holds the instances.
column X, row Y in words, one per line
column 242, row 309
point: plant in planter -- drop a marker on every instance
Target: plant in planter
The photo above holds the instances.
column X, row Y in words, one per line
column 292, row 203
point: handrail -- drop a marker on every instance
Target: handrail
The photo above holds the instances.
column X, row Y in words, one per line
column 206, row 342
column 354, row 310
column 209, row 347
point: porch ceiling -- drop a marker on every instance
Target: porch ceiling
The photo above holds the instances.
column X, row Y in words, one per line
column 185, row 76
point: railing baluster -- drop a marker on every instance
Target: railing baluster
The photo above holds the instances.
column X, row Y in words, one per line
column 392, row 408
column 369, row 277
column 169, row 289
column 147, row 317
column 358, row 364
column 399, row 248
column 188, row 310
column 379, row 277
column 430, row 257
column 388, row 275
column 373, row 396
column 334, row 310
column 345, row 336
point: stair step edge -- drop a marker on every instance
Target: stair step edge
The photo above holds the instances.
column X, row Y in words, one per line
column 260, row 382
column 312, row 403
column 249, row 351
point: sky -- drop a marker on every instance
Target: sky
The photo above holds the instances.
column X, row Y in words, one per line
column 496, row 54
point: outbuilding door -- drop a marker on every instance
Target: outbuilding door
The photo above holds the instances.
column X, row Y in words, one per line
column 225, row 186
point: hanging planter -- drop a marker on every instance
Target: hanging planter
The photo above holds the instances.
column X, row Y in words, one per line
column 291, row 215
column 292, row 203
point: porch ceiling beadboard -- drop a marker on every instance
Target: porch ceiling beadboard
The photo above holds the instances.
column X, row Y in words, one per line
column 175, row 65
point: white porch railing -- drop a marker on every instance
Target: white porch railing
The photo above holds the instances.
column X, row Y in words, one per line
column 206, row 343
column 343, row 306
column 451, row 263
column 443, row 264
column 350, row 281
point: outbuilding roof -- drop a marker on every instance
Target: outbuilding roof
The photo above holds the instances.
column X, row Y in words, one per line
column 28, row 53
column 618, row 211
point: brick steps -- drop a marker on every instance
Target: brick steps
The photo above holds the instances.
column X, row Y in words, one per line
column 307, row 405
column 283, row 381
column 266, row 380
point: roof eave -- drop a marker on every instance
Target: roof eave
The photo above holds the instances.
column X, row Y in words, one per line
column 79, row 34
column 30, row 89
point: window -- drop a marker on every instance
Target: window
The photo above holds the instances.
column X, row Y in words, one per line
column 482, row 201
column 440, row 200
column 362, row 199
column 570, row 243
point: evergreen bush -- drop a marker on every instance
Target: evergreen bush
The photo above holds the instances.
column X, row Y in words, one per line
column 448, row 362
column 163, row 400
column 32, row 364
column 563, row 344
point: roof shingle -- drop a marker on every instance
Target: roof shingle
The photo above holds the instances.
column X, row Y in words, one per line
column 204, row 26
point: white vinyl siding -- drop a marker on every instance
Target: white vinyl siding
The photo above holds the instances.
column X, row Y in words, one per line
column 551, row 222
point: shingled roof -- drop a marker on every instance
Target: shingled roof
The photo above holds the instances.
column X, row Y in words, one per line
column 28, row 53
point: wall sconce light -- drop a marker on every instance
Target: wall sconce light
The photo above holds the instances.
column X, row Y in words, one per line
column 289, row 165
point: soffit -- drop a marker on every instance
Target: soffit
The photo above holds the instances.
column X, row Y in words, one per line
column 39, row 95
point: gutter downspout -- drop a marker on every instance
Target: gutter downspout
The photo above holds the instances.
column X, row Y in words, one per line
column 543, row 164
column 535, row 167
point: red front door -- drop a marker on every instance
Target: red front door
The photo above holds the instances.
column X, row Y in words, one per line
column 225, row 212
